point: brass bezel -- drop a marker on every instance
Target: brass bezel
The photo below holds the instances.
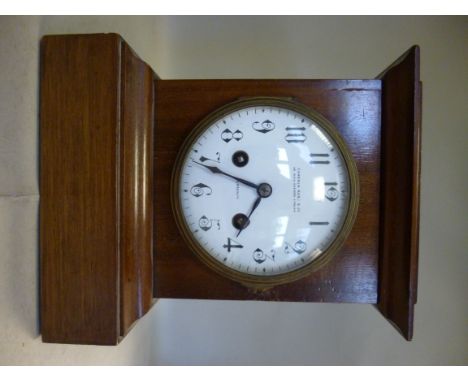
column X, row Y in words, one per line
column 254, row 281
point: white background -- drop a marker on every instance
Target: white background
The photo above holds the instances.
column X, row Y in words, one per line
column 216, row 332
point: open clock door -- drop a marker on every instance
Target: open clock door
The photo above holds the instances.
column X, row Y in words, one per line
column 401, row 137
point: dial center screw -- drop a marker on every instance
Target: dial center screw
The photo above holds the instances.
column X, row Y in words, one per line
column 264, row 190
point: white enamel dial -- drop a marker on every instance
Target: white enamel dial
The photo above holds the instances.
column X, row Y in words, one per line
column 263, row 190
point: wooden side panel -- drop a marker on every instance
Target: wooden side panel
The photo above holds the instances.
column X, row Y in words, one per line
column 80, row 79
column 401, row 136
column 97, row 116
column 354, row 108
column 136, row 177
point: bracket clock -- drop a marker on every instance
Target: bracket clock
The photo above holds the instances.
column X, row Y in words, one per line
column 275, row 190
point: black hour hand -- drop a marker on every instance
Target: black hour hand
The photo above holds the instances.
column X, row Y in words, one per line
column 254, row 207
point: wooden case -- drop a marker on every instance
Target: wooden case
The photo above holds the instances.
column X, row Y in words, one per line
column 401, row 165
column 96, row 175
column 101, row 175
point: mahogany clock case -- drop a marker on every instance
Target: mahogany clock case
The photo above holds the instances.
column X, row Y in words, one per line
column 110, row 133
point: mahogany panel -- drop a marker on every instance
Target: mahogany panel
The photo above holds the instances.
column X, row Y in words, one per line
column 78, row 214
column 353, row 106
column 96, row 121
column 401, row 137
column 136, row 184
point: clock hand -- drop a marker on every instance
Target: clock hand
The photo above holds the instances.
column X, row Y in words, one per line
column 255, row 205
column 216, row 170
column 264, row 190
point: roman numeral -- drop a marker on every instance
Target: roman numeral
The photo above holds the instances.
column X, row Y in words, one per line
column 295, row 135
column 319, row 161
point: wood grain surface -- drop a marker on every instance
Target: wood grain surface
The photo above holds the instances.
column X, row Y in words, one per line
column 110, row 131
column 354, row 108
column 401, row 150
column 96, row 102
column 136, row 185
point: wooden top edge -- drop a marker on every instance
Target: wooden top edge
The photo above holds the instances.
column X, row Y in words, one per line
column 112, row 36
column 81, row 35
column 332, row 84
column 413, row 50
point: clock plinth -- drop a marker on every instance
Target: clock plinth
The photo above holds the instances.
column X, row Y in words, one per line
column 109, row 241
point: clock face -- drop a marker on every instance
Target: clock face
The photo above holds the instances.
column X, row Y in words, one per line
column 265, row 191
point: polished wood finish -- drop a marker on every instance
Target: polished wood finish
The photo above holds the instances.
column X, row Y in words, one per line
column 136, row 184
column 110, row 133
column 352, row 106
column 401, row 150
column 96, row 122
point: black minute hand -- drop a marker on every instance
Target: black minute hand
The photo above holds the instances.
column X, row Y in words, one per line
column 216, row 170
